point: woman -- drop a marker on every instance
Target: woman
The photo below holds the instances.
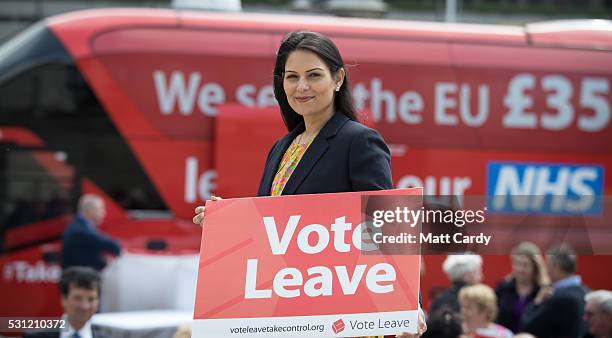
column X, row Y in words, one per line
column 326, row 149
column 517, row 292
column 478, row 306
column 311, row 87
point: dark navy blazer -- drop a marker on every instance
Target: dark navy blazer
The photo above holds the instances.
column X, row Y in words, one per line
column 83, row 245
column 345, row 156
column 560, row 316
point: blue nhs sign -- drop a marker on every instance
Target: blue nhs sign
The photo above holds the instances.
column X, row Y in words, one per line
column 544, row 188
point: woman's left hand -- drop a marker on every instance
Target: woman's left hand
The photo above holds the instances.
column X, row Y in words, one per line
column 422, row 327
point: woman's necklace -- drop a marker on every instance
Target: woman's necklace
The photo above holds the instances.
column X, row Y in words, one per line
column 302, row 136
column 289, row 157
column 297, row 144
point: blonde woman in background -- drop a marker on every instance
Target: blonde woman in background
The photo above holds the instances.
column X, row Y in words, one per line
column 478, row 305
column 518, row 291
column 183, row 331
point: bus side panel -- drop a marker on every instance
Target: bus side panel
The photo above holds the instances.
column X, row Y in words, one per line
column 29, row 283
column 174, row 86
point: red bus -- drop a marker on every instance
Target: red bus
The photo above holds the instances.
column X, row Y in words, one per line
column 156, row 109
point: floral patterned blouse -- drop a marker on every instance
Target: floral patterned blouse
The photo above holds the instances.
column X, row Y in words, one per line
column 290, row 160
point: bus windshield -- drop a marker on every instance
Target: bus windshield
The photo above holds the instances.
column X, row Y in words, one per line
column 43, row 93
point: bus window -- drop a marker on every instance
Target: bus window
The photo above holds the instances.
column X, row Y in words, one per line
column 44, row 92
column 36, row 185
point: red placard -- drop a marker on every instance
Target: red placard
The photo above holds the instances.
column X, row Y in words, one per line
column 296, row 265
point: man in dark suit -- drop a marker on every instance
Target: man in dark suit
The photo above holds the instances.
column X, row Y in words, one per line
column 83, row 245
column 80, row 297
column 557, row 311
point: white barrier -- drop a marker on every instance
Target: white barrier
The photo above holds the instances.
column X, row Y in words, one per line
column 134, row 282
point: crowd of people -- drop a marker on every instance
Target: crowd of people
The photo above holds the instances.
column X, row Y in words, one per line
column 539, row 298
column 543, row 298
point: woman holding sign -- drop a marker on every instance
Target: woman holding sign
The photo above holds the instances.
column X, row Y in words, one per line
column 326, row 149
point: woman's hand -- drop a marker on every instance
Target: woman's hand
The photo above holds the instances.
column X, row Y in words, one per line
column 199, row 217
column 422, row 327
column 544, row 293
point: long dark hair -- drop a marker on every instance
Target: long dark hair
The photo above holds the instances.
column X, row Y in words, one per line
column 327, row 51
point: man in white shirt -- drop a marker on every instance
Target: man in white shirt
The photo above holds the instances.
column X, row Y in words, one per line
column 80, row 297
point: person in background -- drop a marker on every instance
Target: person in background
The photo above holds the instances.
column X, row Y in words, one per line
column 478, row 305
column 524, row 335
column 462, row 270
column 444, row 324
column 557, row 311
column 83, row 244
column 80, row 297
column 183, row 331
column 516, row 293
column 598, row 313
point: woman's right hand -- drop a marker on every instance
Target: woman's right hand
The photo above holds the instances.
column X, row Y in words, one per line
column 544, row 293
column 199, row 217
